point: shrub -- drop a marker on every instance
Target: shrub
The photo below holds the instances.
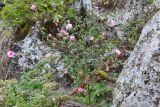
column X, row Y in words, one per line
column 19, row 12
column 34, row 88
column 83, row 47
column 89, row 50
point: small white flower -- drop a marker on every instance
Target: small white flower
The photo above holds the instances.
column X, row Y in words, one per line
column 91, row 38
column 53, row 99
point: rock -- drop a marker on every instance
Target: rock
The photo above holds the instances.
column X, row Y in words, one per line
column 71, row 104
column 139, row 82
column 31, row 50
column 133, row 10
column 87, row 4
column 157, row 4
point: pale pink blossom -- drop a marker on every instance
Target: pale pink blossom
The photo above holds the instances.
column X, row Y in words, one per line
column 50, row 35
column 10, row 54
column 80, row 90
column 118, row 52
column 65, row 71
column 33, row 7
column 1, row 97
column 69, row 26
column 72, row 38
column 63, row 31
column 111, row 23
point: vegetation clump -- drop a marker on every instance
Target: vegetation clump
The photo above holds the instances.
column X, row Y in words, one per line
column 92, row 60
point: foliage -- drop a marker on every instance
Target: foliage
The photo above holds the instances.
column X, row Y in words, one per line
column 96, row 95
column 38, row 88
column 85, row 56
column 135, row 26
column 33, row 89
column 111, row 3
column 19, row 12
column 150, row 1
column 87, row 53
column 90, row 49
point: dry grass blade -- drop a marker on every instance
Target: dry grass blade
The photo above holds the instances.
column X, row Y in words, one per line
column 5, row 43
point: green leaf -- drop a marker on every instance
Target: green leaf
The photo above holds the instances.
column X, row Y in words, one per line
column 150, row 1
column 71, row 12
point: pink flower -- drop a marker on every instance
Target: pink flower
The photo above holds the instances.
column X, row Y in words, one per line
column 50, row 35
column 10, row 54
column 69, row 26
column 118, row 52
column 72, row 38
column 80, row 90
column 63, row 31
column 33, row 7
column 111, row 23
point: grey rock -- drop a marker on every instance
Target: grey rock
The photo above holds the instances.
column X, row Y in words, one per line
column 71, row 104
column 31, row 50
column 133, row 9
column 157, row 4
column 87, row 4
column 139, row 82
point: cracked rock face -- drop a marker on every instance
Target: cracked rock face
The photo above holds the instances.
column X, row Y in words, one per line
column 139, row 82
column 31, row 50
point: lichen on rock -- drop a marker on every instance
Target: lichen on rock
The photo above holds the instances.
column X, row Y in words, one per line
column 31, row 50
column 139, row 83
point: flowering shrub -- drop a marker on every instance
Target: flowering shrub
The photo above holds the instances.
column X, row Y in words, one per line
column 18, row 12
column 97, row 95
column 83, row 47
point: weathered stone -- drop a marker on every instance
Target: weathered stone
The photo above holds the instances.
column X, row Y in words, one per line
column 1, row 4
column 71, row 104
column 87, row 4
column 31, row 50
column 139, row 82
column 133, row 10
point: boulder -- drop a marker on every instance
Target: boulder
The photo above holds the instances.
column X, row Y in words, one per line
column 139, row 82
column 30, row 51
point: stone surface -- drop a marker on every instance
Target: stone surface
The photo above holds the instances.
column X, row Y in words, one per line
column 157, row 4
column 1, row 4
column 87, row 4
column 31, row 50
column 133, row 9
column 70, row 104
column 139, row 82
